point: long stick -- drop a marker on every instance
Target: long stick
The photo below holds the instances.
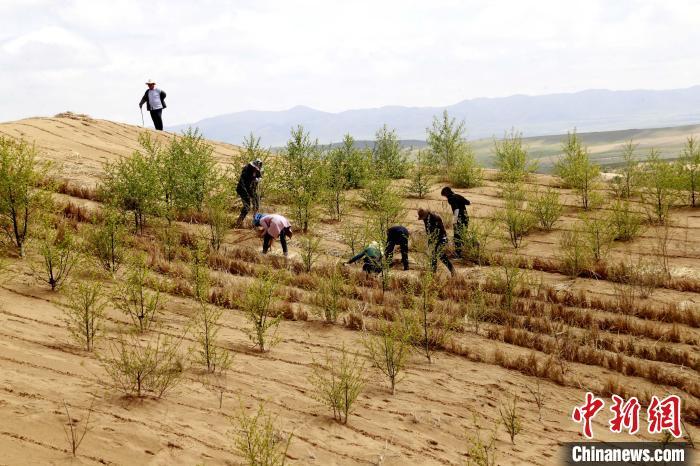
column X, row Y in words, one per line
column 142, row 122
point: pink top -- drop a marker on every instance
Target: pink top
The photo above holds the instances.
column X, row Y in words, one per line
column 273, row 224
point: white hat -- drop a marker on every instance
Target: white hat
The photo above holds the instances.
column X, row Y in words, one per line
column 150, row 81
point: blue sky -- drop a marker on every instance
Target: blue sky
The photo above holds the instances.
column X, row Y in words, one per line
column 216, row 57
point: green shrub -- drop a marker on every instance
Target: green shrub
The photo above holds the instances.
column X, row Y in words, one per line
column 258, row 440
column 303, row 181
column 20, row 173
column 390, row 350
column 659, row 187
column 511, row 159
column 139, row 368
column 466, row 172
column 257, row 306
column 574, row 255
column 387, row 155
column 448, row 147
column 133, row 184
column 338, row 383
column 59, row 255
column 421, row 176
column 577, row 171
column 546, row 208
column 626, row 222
column 626, row 184
column 133, row 297
column 85, row 312
column 106, row 240
column 599, row 234
column 206, row 326
column 689, row 169
column 330, row 296
column 517, row 219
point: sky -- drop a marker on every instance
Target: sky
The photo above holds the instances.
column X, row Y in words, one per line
column 216, row 57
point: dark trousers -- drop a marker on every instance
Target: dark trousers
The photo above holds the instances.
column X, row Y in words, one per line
column 157, row 117
column 439, row 251
column 389, row 253
column 460, row 230
column 249, row 201
column 267, row 241
column 371, row 266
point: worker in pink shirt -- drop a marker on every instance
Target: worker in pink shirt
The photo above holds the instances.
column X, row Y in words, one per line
column 273, row 226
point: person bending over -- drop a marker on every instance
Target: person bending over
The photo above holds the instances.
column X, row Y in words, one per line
column 397, row 236
column 460, row 219
column 437, row 239
column 273, row 226
column 372, row 258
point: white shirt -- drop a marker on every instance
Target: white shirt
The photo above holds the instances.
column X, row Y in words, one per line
column 154, row 99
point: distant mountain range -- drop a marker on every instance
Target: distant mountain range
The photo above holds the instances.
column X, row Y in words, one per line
column 590, row 110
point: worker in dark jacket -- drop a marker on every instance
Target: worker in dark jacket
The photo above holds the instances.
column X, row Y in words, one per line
column 460, row 219
column 437, row 238
column 154, row 99
column 397, row 236
column 247, row 189
column 372, row 256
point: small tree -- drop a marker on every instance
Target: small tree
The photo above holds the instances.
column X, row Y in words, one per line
column 106, row 240
column 387, row 154
column 626, row 222
column 421, row 176
column 625, row 185
column 336, row 180
column 512, row 158
column 310, row 250
column 447, row 143
column 216, row 208
column 85, row 312
column 510, row 417
column 206, row 326
column 689, row 169
column 59, row 255
column 577, row 171
column 19, row 200
column 139, row 368
column 573, row 254
column 73, row 433
column 390, row 350
column 659, row 187
column 384, row 203
column 517, row 219
column 546, row 208
column 257, row 306
column 133, row 184
column 509, row 279
column 599, row 234
column 134, row 299
column 303, row 182
column 338, row 383
column 258, row 440
column 466, row 172
column 199, row 273
column 330, row 296
column 482, row 450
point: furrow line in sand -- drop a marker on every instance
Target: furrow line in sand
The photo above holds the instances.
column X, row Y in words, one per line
column 23, row 438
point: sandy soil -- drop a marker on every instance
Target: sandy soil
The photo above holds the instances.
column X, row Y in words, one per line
column 427, row 421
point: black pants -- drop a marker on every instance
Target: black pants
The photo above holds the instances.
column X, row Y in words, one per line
column 403, row 245
column 250, row 200
column 156, row 116
column 371, row 266
column 460, row 230
column 439, row 251
column 267, row 241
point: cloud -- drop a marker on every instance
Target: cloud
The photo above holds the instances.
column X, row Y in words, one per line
column 216, row 57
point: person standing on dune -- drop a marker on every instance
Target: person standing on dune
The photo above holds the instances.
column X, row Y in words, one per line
column 154, row 99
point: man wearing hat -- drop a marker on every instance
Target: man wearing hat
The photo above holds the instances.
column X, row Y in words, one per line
column 154, row 99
